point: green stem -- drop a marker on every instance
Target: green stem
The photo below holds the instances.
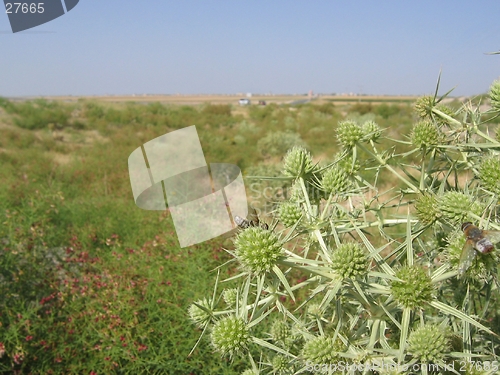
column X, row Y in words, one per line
column 306, row 197
column 316, row 232
column 378, row 223
column 323, row 214
column 422, row 171
column 445, row 116
column 391, row 169
column 486, row 136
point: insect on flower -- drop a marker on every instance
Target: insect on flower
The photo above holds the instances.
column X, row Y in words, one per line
column 251, row 221
column 478, row 240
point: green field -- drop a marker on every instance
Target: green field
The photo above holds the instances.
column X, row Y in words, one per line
column 90, row 283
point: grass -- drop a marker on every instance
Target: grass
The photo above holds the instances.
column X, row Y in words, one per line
column 93, row 284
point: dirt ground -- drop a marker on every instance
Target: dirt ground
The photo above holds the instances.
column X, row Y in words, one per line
column 233, row 99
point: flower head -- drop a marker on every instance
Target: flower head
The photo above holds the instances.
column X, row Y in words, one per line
column 489, row 174
column 371, row 131
column 298, row 162
column 415, row 288
column 349, row 261
column 456, row 207
column 495, row 94
column 427, row 208
column 198, row 315
column 280, row 331
column 229, row 296
column 258, row 249
column 230, row 335
column 429, row 343
column 336, row 181
column 425, row 134
column 348, row 133
column 323, row 350
column 424, row 105
column 281, row 365
column 289, row 213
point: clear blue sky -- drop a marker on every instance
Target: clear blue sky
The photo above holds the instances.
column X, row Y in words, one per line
column 186, row 46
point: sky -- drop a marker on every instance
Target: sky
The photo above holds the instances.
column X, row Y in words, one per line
column 389, row 47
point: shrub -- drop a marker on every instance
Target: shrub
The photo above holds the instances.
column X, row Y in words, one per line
column 38, row 114
column 277, row 143
column 217, row 109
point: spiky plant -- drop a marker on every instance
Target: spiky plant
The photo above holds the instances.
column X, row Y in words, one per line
column 373, row 277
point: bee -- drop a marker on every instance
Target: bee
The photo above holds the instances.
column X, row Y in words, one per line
column 478, row 240
column 251, row 221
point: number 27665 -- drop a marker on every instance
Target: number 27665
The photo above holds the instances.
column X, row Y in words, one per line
column 24, row 8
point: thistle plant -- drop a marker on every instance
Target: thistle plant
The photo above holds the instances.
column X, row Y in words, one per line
column 230, row 335
column 258, row 249
column 289, row 213
column 361, row 265
column 495, row 95
column 489, row 174
column 427, row 208
column 429, row 343
column 349, row 261
column 349, row 133
column 425, row 134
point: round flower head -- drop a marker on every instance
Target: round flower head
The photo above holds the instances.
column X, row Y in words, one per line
column 455, row 207
column 425, row 134
column 424, row 105
column 336, row 181
column 281, row 365
column 322, row 350
column 298, row 162
column 427, row 208
column 429, row 343
column 489, row 174
column 289, row 213
column 198, row 315
column 371, row 131
column 495, row 95
column 415, row 288
column 229, row 296
column 349, row 261
column 346, row 163
column 230, row 335
column 348, row 133
column 258, row 249
column 280, row 331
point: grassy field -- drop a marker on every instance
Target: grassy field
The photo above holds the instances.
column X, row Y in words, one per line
column 93, row 284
